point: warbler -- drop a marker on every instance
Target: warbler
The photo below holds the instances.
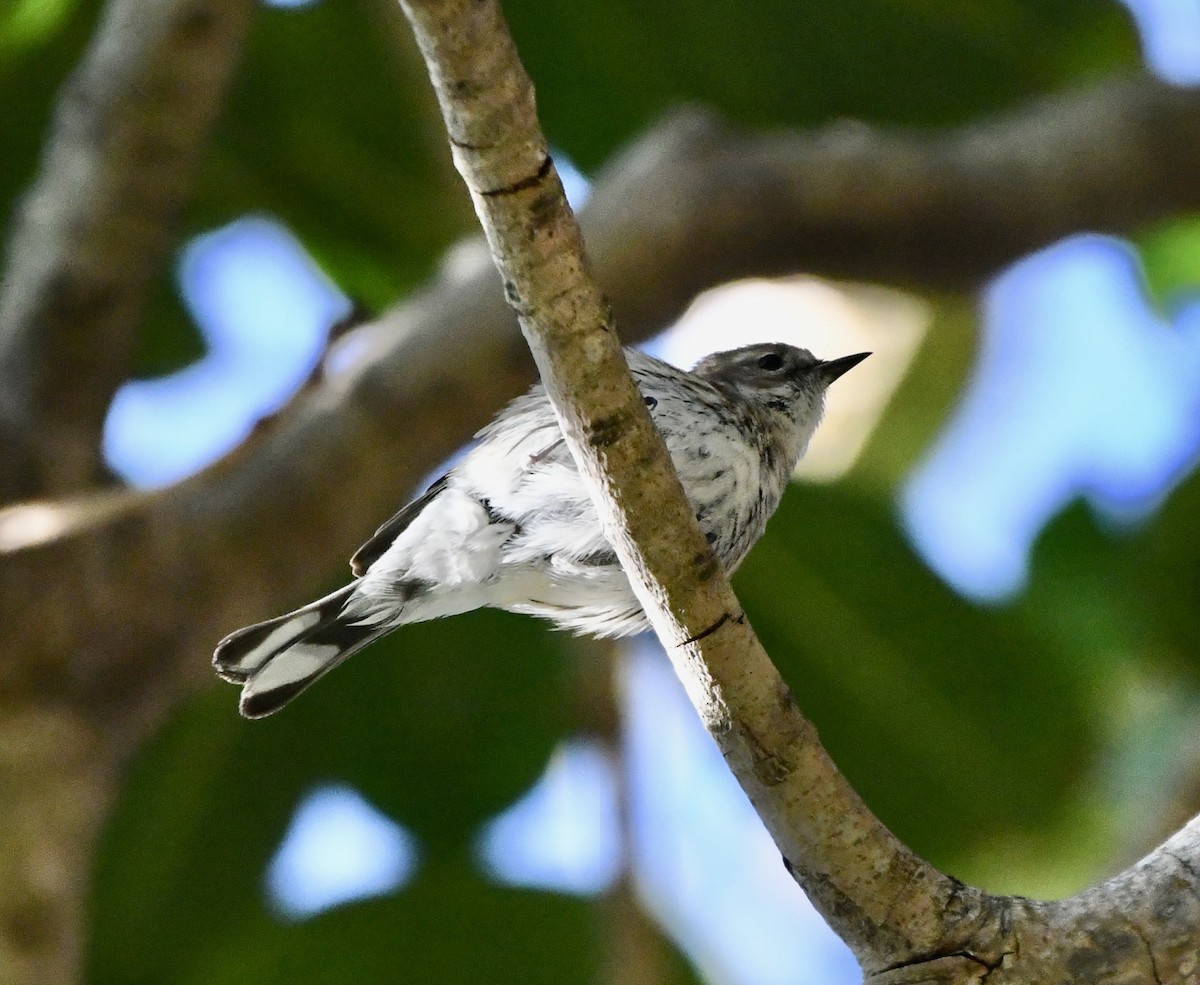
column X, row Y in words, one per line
column 512, row 526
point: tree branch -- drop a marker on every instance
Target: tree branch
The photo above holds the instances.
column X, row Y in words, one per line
column 902, row 918
column 939, row 210
column 855, row 870
column 126, row 138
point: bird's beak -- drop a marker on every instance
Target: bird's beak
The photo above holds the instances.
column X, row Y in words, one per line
column 833, row 368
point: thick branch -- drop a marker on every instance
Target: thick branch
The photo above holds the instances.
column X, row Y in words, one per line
column 905, row 920
column 940, row 210
column 1142, row 926
column 877, row 894
column 95, row 226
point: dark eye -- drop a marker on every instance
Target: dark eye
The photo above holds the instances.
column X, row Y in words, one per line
column 770, row 362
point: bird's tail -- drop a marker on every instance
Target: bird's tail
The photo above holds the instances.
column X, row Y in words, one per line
column 275, row 660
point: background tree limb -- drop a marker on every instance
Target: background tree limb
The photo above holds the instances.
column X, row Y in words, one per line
column 931, row 210
column 130, row 128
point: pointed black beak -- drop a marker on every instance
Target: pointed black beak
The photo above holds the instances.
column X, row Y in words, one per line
column 833, row 368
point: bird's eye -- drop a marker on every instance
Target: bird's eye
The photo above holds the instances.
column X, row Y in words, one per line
column 770, row 362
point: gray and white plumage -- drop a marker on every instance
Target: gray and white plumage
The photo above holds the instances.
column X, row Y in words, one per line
column 512, row 526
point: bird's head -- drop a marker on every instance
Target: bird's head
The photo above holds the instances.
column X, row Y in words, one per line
column 777, row 378
column 783, row 385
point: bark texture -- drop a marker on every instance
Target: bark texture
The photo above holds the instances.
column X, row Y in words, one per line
column 96, row 226
column 127, row 135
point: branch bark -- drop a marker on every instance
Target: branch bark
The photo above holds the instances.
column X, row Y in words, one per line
column 905, row 921
column 933, row 210
column 855, row 870
column 130, row 127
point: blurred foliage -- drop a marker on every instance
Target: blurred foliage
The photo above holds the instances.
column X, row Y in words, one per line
column 441, row 929
column 969, row 730
column 777, row 62
column 971, row 705
column 331, row 126
column 1121, row 592
column 924, row 400
column 442, row 727
column 40, row 42
column 25, row 23
column 1171, row 259
column 439, row 743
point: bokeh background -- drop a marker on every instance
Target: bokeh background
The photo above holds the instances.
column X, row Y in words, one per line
column 982, row 587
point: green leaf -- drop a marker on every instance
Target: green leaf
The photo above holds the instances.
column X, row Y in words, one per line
column 38, row 48
column 185, row 846
column 605, row 70
column 24, row 23
column 441, row 724
column 1129, row 593
column 450, row 927
column 924, row 400
column 169, row 339
column 1161, row 562
column 1171, row 258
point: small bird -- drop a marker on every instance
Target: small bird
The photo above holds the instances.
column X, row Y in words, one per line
column 512, row 525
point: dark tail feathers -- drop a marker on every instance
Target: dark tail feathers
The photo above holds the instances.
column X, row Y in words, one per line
column 275, row 660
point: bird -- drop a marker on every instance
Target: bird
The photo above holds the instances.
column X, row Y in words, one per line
column 512, row 525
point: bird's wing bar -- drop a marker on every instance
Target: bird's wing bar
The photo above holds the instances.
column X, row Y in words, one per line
column 384, row 537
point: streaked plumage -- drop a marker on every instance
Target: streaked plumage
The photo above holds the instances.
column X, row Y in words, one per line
column 512, row 526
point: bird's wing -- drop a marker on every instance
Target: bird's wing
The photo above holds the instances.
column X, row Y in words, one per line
column 383, row 538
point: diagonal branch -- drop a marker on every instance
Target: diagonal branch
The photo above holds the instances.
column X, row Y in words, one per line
column 879, row 896
column 126, row 138
column 904, row 920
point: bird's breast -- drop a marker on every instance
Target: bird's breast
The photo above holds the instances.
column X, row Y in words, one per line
column 722, row 474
